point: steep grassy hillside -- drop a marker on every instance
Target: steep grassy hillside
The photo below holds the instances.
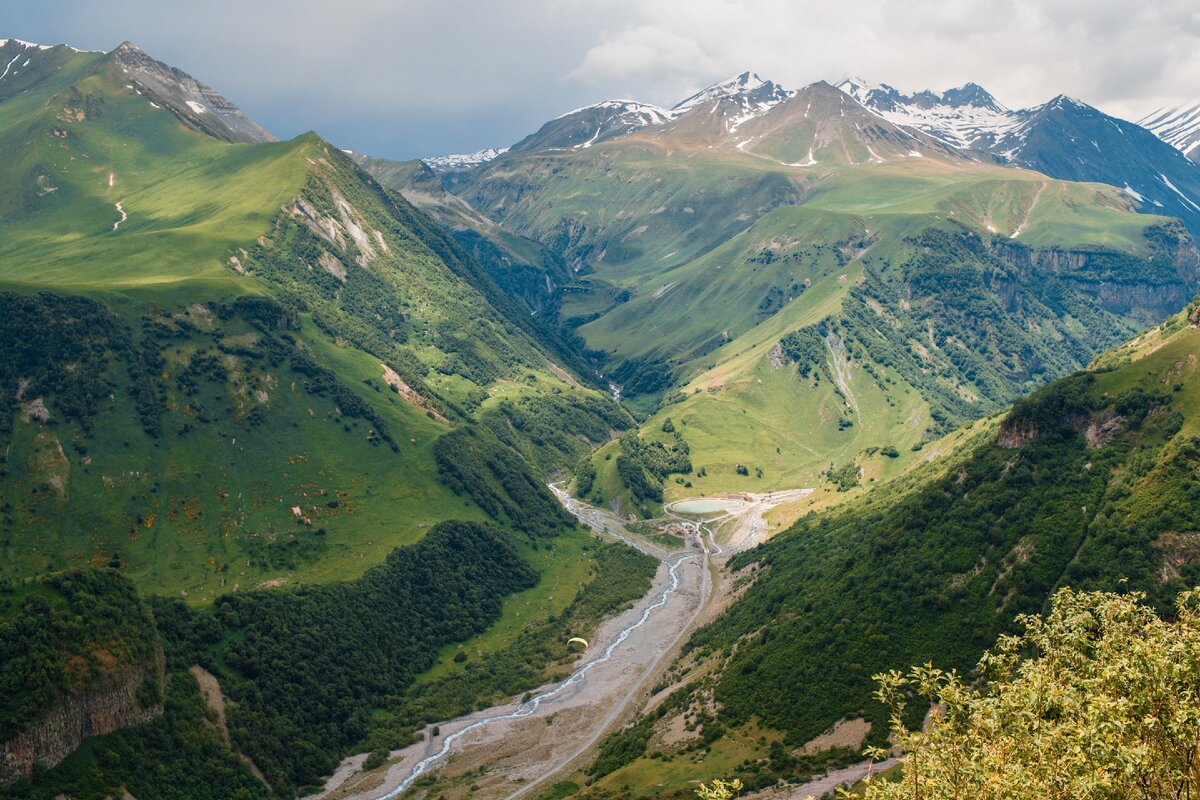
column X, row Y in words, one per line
column 796, row 317
column 244, row 368
column 527, row 270
column 1091, row 482
column 259, row 383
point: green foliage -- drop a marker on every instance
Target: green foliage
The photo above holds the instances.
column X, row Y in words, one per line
column 475, row 461
column 306, row 667
column 493, row 462
column 375, row 760
column 66, row 634
column 559, row 790
column 357, row 293
column 845, row 477
column 178, row 756
column 585, row 476
column 61, row 350
column 642, row 376
column 806, row 347
column 624, row 746
column 540, row 654
column 323, row 382
column 1096, row 699
column 968, row 322
column 939, row 572
column 643, row 466
column 235, row 407
column 1053, row 413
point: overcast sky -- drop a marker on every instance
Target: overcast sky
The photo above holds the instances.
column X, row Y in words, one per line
column 410, row 78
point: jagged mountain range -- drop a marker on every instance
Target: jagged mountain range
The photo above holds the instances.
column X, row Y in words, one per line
column 1063, row 138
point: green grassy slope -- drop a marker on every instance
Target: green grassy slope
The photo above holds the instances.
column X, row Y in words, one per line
column 527, row 270
column 942, row 288
column 1089, row 483
column 180, row 440
column 268, row 379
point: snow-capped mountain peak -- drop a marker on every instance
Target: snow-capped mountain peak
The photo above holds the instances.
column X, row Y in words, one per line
column 875, row 96
column 631, row 111
column 972, row 95
column 964, row 116
column 1065, row 101
column 737, row 100
column 25, row 45
column 747, row 86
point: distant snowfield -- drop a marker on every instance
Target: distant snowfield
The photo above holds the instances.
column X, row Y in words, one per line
column 959, row 125
column 464, row 160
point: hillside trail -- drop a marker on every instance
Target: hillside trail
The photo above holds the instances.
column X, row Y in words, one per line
column 1029, row 211
column 511, row 748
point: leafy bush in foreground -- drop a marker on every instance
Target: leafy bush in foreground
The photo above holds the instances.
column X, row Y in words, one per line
column 1100, row 698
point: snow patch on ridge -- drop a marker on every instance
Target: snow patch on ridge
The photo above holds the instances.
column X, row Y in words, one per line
column 652, row 114
column 34, row 45
column 960, row 117
column 1174, row 189
column 458, row 161
column 1178, row 126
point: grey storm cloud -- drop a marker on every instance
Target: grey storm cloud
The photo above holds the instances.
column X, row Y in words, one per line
column 408, row 78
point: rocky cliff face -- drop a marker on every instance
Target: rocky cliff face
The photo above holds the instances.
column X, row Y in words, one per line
column 116, row 703
column 1118, row 283
column 198, row 105
column 1015, row 436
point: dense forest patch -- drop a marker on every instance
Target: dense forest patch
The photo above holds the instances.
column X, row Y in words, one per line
column 307, row 667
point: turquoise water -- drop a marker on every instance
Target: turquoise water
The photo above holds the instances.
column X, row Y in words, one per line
column 705, row 506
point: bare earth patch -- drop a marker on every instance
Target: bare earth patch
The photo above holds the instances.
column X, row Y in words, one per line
column 410, row 395
column 845, row 733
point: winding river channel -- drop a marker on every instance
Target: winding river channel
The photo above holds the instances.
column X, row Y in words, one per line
column 530, row 706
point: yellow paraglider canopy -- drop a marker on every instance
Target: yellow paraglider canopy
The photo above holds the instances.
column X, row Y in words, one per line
column 578, row 640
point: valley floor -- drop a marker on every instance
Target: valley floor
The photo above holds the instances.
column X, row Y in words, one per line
column 520, row 750
column 744, row 523
column 509, row 751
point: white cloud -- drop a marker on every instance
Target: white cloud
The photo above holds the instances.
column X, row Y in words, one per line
column 647, row 53
column 415, row 77
column 1121, row 56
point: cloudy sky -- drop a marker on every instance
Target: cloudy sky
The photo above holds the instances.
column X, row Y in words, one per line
column 408, row 78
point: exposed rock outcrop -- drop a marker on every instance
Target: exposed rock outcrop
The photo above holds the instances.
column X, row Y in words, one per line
column 1015, row 436
column 196, row 104
column 1145, row 300
column 1104, row 430
column 106, row 708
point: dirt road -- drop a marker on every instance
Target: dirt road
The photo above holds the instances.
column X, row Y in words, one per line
column 744, row 524
column 827, row 784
